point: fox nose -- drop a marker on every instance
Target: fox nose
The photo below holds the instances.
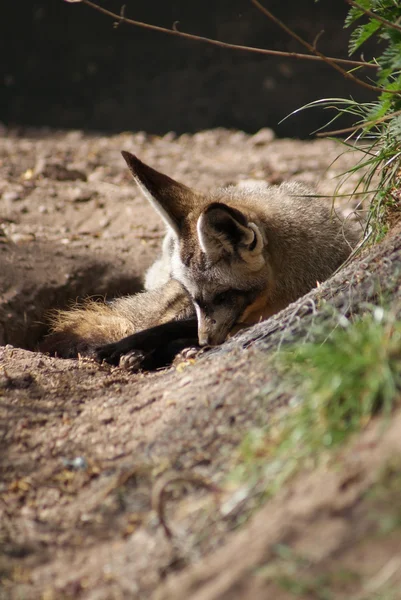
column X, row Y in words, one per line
column 208, row 340
column 205, row 331
column 211, row 339
column 203, row 340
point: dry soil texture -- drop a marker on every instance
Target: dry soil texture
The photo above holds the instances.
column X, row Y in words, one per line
column 115, row 485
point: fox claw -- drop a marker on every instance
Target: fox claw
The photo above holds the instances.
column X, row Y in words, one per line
column 132, row 361
column 108, row 353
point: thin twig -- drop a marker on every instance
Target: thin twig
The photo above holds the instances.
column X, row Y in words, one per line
column 326, row 59
column 198, row 38
column 373, row 15
column 362, row 125
column 158, row 493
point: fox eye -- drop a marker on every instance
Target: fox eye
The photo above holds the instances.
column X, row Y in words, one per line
column 221, row 298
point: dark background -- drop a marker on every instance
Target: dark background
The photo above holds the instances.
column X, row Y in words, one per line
column 65, row 66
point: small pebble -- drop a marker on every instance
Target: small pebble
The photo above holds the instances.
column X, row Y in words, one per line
column 262, row 137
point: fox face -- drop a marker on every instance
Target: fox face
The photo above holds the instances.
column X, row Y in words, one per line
column 221, row 262
column 217, row 252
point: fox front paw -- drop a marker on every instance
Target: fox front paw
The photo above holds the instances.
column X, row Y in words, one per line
column 114, row 355
column 151, row 348
column 132, row 361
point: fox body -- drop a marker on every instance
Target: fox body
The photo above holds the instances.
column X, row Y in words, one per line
column 232, row 258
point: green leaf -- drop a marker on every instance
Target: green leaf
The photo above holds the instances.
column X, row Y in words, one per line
column 361, row 34
column 356, row 13
column 390, row 59
column 353, row 15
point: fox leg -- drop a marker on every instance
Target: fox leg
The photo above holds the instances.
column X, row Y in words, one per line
column 84, row 328
column 154, row 347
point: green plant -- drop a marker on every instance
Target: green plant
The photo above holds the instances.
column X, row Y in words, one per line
column 378, row 123
column 349, row 374
column 346, row 379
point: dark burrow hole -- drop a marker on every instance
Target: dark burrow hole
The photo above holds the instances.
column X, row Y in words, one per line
column 24, row 322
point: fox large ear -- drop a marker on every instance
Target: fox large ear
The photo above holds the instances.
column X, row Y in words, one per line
column 225, row 231
column 172, row 200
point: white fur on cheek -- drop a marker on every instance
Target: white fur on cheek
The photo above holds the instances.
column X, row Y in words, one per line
column 198, row 312
column 202, row 239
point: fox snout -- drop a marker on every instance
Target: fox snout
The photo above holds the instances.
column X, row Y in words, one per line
column 210, row 338
column 210, row 332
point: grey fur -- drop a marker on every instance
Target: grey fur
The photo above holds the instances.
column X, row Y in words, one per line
column 263, row 245
column 236, row 256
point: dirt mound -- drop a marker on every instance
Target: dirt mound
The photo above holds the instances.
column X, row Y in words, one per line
column 115, row 485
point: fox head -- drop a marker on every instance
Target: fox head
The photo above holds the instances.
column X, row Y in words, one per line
column 218, row 252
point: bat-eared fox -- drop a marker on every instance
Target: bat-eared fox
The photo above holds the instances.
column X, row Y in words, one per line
column 230, row 258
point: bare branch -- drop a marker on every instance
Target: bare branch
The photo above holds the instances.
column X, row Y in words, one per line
column 318, row 36
column 119, row 19
column 326, row 59
column 373, row 15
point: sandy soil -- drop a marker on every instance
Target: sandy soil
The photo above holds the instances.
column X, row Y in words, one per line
column 93, row 458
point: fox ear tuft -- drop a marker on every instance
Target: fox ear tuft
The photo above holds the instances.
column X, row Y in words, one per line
column 224, row 231
column 172, row 200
